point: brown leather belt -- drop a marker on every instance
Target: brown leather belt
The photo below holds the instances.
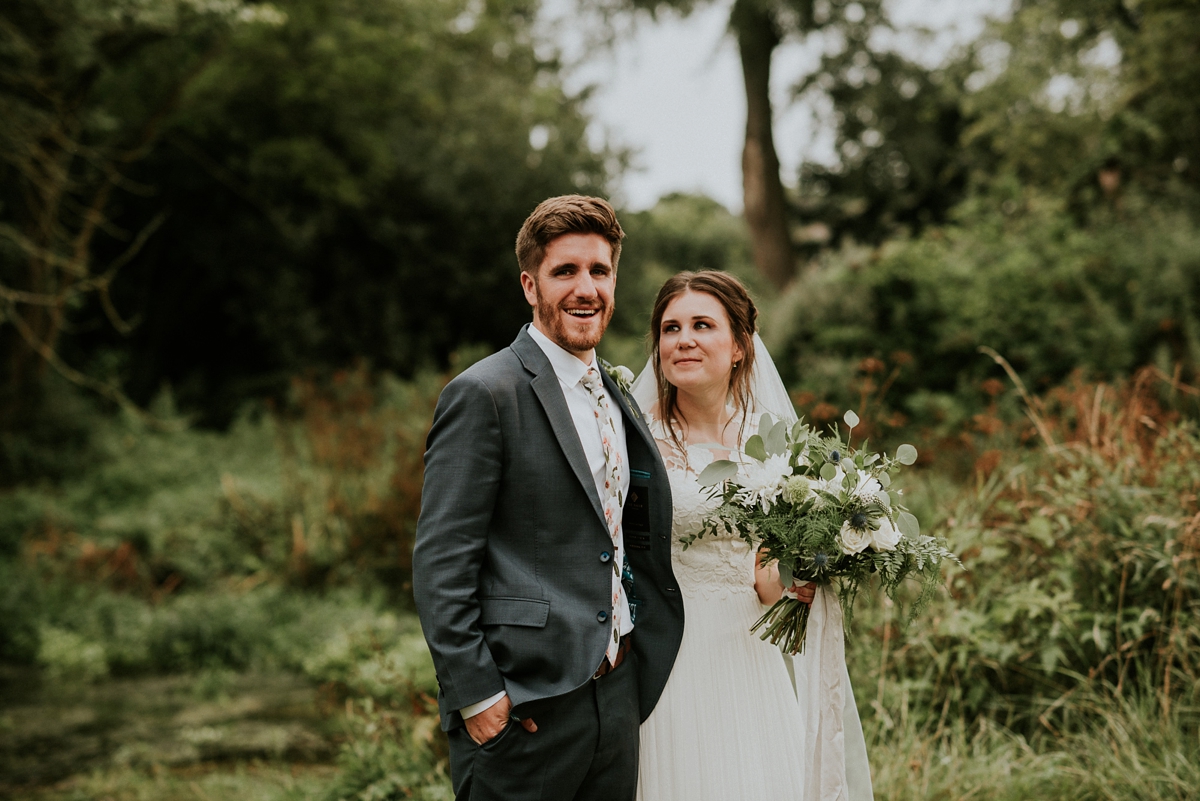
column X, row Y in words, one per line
column 607, row 667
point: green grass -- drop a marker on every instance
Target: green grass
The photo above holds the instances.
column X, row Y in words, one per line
column 245, row 781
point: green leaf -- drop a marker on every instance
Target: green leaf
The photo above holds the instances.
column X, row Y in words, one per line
column 908, row 525
column 777, row 439
column 718, row 471
column 799, row 430
column 785, row 574
column 885, row 480
column 906, row 454
column 895, row 498
column 764, row 423
column 828, row 471
column 851, row 419
column 755, row 448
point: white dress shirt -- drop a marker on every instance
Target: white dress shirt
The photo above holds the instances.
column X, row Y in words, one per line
column 570, row 371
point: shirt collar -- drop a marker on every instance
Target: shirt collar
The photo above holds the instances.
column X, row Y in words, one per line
column 567, row 366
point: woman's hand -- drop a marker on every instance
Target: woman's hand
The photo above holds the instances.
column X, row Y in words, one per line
column 805, row 591
column 766, row 584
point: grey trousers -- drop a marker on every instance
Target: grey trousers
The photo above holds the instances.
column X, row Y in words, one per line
column 585, row 748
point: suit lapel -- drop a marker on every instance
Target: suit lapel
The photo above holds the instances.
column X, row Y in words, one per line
column 633, row 418
column 548, row 390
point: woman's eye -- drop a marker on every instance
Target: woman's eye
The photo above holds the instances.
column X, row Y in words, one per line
column 670, row 329
column 702, row 325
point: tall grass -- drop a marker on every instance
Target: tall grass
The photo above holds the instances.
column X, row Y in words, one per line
column 1062, row 663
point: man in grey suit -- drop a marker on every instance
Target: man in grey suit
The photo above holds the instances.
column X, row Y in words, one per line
column 542, row 568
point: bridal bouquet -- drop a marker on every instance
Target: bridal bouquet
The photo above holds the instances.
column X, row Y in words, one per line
column 824, row 512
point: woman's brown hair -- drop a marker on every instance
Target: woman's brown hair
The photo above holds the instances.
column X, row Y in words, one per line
column 743, row 321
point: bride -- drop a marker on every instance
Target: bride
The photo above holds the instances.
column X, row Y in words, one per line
column 736, row 720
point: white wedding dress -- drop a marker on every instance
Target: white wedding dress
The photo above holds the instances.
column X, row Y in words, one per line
column 732, row 723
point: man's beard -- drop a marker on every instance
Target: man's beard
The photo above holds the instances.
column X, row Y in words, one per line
column 551, row 317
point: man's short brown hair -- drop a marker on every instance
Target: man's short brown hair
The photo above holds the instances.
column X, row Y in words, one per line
column 566, row 214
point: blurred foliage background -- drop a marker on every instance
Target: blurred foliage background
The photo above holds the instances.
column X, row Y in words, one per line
column 243, row 246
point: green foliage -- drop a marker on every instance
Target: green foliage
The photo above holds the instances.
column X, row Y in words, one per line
column 340, row 180
column 347, row 186
column 898, row 124
column 1082, row 573
column 1048, row 296
column 395, row 747
column 176, row 547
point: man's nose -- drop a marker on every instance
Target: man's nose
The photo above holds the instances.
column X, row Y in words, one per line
column 585, row 286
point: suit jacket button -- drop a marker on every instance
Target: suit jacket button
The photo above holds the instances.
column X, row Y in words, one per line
column 601, row 617
column 605, row 557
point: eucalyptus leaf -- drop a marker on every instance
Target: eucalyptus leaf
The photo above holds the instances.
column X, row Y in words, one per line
column 885, row 480
column 765, row 422
column 718, row 471
column 799, row 430
column 894, row 497
column 908, row 525
column 906, row 454
column 756, row 449
column 851, row 418
column 777, row 439
column 828, row 471
column 785, row 574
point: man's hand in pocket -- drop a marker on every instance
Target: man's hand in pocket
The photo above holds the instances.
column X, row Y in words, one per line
column 491, row 721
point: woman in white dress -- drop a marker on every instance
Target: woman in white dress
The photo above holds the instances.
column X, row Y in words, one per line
column 735, row 720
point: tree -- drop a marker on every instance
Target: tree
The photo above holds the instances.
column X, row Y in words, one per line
column 347, row 186
column 69, row 143
column 344, row 185
column 760, row 27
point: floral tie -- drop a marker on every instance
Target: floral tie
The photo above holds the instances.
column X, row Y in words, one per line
column 612, row 501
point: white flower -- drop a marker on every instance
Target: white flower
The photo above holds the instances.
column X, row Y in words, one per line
column 886, row 537
column 761, row 482
column 623, row 374
column 853, row 540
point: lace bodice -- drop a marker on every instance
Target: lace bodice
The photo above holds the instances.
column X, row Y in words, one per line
column 712, row 566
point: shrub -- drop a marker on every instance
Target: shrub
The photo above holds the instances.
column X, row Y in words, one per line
column 898, row 328
column 1082, row 571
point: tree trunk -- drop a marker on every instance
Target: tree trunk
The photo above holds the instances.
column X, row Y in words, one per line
column 762, row 189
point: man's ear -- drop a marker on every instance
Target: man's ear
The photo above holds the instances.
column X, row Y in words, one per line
column 529, row 287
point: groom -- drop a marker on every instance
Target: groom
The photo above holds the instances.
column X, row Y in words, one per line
column 542, row 568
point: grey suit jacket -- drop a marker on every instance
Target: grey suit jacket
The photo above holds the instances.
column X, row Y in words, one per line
column 511, row 569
